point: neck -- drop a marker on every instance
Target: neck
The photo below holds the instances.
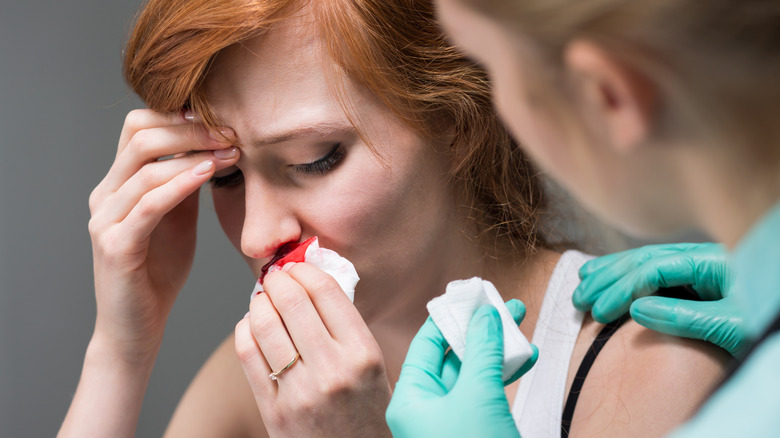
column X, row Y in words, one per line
column 729, row 194
column 398, row 321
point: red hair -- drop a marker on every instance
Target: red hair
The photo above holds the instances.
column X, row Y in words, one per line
column 395, row 49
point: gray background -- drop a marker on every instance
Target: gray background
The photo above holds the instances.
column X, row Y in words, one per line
column 62, row 104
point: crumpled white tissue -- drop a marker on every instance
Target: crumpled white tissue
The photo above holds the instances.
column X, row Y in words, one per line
column 452, row 312
column 329, row 261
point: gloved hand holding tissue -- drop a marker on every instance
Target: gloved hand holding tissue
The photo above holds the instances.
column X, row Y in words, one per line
column 437, row 394
column 452, row 313
column 309, row 251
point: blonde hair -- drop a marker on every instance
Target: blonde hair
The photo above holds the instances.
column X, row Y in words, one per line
column 716, row 63
column 396, row 50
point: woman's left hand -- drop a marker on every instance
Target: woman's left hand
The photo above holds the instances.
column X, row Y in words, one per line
column 338, row 386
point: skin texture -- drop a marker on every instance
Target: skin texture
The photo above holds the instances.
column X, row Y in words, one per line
column 643, row 383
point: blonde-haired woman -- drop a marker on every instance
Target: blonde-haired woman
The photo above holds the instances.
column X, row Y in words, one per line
column 359, row 123
column 659, row 116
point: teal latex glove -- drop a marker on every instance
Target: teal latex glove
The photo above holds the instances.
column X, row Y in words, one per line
column 613, row 284
column 436, row 395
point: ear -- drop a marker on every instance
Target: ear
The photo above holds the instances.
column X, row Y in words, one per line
column 618, row 97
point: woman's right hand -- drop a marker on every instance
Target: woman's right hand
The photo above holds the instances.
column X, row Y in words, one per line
column 143, row 224
column 144, row 215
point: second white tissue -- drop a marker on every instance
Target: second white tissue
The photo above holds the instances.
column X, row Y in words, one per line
column 453, row 310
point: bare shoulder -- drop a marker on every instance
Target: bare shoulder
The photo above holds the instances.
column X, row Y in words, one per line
column 219, row 401
column 643, row 383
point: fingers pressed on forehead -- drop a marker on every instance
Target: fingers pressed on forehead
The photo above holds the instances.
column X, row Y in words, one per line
column 141, row 119
column 163, row 141
column 338, row 314
column 155, row 143
column 152, row 176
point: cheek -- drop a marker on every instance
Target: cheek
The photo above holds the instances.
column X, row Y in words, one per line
column 380, row 218
column 358, row 209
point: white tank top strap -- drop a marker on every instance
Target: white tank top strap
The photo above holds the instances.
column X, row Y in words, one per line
column 538, row 405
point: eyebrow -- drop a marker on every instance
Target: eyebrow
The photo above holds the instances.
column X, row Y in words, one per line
column 317, row 130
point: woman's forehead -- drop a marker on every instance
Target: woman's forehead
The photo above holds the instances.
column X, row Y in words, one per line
column 285, row 54
column 286, row 81
column 279, row 76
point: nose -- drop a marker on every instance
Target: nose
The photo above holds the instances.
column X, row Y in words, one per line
column 269, row 221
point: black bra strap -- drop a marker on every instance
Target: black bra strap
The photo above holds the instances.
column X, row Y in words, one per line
column 683, row 292
column 582, row 371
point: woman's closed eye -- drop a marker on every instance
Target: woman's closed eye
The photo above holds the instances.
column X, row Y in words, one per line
column 324, row 164
column 232, row 179
column 317, row 167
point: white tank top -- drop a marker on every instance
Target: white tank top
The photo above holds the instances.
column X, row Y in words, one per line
column 538, row 405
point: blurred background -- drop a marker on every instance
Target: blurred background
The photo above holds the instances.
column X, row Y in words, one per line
column 62, row 105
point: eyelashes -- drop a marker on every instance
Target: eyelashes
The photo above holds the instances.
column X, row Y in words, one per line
column 324, row 164
column 315, row 168
column 231, row 180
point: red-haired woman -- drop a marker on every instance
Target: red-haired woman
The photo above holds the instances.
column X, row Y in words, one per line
column 357, row 122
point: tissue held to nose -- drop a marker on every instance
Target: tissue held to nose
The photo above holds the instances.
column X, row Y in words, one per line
column 327, row 260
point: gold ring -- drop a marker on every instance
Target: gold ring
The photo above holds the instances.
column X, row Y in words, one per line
column 276, row 374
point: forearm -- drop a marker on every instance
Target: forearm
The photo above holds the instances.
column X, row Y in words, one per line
column 143, row 229
column 109, row 394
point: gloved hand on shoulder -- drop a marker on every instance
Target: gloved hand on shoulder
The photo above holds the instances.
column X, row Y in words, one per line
column 614, row 283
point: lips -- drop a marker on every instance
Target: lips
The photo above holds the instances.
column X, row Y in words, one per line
column 309, row 251
column 288, row 253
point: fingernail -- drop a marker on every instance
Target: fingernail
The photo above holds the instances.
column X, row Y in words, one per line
column 287, row 266
column 203, row 168
column 226, row 154
column 189, row 115
column 246, row 316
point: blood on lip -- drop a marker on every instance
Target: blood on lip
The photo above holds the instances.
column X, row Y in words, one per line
column 289, row 252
